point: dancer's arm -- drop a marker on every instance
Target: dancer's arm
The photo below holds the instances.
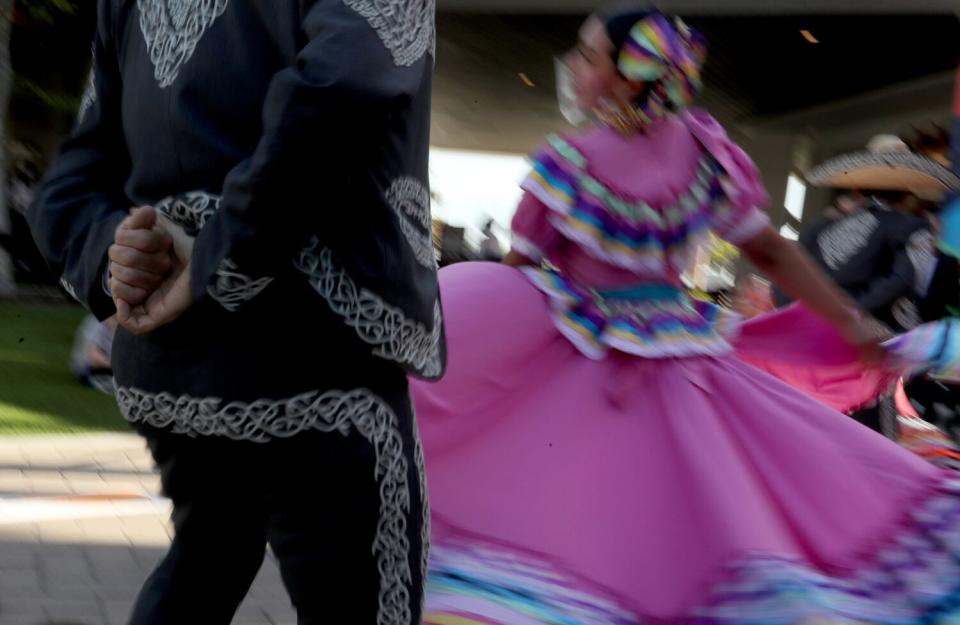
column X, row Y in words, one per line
column 82, row 201
column 794, row 271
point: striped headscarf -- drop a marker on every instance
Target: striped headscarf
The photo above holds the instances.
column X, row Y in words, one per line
column 666, row 53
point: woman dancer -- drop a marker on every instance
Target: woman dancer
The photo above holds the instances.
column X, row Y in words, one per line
column 597, row 454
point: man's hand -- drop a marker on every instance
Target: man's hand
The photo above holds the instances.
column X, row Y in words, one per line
column 172, row 297
column 140, row 258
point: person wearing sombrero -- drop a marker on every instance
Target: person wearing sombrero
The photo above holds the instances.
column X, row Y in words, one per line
column 881, row 253
column 934, row 399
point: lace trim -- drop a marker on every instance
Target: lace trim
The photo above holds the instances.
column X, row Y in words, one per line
column 410, row 200
column 171, row 30
column 191, row 211
column 332, row 411
column 406, row 27
column 232, row 288
column 424, row 508
column 392, row 334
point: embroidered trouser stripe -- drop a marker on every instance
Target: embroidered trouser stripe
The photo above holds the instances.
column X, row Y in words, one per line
column 340, row 503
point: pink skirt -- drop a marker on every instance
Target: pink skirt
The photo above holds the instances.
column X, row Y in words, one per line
column 625, row 490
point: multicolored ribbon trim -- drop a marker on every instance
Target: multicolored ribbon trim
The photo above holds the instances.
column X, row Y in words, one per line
column 913, row 580
column 626, row 233
column 471, row 583
column 650, row 320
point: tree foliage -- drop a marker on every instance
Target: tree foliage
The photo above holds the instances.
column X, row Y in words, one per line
column 46, row 11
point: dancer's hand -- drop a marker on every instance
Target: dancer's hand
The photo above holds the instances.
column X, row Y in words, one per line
column 140, row 258
column 867, row 335
column 172, row 297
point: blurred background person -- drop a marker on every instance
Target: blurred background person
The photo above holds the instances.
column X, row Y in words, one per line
column 877, row 248
column 881, row 251
column 90, row 357
column 490, row 248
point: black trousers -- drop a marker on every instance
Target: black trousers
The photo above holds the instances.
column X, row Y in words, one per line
column 938, row 403
column 342, row 510
column 881, row 417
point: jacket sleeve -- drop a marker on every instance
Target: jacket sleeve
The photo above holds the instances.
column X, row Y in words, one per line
column 82, row 201
column 902, row 279
column 333, row 108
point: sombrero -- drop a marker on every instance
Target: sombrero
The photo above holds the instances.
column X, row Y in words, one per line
column 887, row 164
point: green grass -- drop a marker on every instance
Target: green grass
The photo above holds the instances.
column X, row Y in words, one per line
column 38, row 394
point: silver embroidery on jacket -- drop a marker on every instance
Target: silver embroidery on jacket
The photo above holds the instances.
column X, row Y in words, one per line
column 172, row 29
column 406, row 27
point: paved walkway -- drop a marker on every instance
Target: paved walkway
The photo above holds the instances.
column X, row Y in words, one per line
column 81, row 526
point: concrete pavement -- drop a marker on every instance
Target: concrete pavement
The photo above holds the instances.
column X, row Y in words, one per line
column 82, row 525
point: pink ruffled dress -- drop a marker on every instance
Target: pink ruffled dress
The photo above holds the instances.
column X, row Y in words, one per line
column 598, row 454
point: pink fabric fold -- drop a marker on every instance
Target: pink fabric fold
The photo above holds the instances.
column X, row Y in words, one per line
column 650, row 477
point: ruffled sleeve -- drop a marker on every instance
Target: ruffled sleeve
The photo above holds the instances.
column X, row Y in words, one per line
column 739, row 216
column 533, row 234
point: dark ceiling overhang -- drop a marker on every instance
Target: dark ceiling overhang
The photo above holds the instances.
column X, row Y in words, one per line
column 715, row 7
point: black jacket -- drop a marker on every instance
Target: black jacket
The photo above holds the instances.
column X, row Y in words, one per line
column 882, row 258
column 292, row 138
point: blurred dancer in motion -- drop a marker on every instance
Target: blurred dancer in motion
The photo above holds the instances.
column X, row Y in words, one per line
column 598, row 455
column 265, row 360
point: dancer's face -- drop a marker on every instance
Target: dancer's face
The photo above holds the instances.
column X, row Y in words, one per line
column 594, row 73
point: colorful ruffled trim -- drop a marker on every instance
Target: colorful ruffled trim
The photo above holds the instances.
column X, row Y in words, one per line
column 471, row 583
column 914, row 581
column 526, row 247
column 651, row 321
column 630, row 234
